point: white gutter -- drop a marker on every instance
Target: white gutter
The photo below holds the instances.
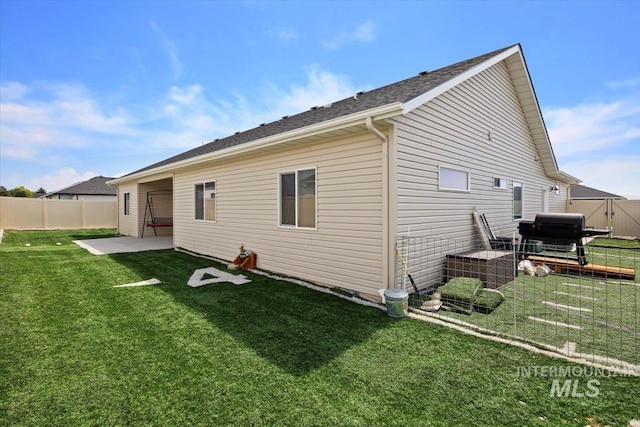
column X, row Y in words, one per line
column 565, row 178
column 354, row 119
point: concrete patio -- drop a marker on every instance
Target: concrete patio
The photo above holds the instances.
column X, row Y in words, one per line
column 116, row 245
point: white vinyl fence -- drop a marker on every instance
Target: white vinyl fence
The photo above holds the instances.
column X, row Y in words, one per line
column 19, row 213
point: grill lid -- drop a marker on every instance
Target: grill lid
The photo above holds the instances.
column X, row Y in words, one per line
column 559, row 225
column 573, row 220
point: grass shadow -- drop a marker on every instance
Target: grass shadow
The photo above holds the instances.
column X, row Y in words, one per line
column 295, row 328
column 100, row 233
column 20, row 238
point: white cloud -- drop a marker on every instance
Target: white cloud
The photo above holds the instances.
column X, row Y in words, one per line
column 619, row 174
column 631, row 83
column 64, row 116
column 599, row 142
column 60, row 179
column 590, row 127
column 56, row 125
column 169, row 47
column 364, row 32
column 12, row 91
column 195, row 118
column 185, row 96
column 321, row 87
column 287, row 35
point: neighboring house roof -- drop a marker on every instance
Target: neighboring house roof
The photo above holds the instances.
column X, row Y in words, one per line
column 588, row 193
column 387, row 101
column 96, row 186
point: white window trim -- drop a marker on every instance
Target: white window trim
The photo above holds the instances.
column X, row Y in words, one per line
column 502, row 180
column 204, row 213
column 513, row 214
column 295, row 171
column 457, row 169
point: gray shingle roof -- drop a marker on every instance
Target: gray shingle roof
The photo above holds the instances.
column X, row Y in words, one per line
column 94, row 186
column 401, row 91
column 584, row 192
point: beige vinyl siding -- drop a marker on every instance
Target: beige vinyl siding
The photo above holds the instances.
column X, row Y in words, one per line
column 128, row 224
column 345, row 248
column 477, row 126
column 558, row 202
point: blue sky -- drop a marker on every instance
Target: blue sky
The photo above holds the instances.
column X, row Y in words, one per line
column 105, row 88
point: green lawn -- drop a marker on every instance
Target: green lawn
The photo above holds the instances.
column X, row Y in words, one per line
column 615, row 252
column 77, row 351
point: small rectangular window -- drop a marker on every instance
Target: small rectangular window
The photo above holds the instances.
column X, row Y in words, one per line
column 199, row 202
column 453, row 179
column 127, row 197
column 210, row 201
column 298, row 198
column 205, row 201
column 517, row 200
column 306, row 198
column 288, row 199
column 500, row 183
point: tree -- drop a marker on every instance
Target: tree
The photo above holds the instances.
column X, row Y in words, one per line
column 20, row 192
column 3, row 190
column 39, row 192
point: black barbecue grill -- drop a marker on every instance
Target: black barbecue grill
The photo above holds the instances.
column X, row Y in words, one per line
column 558, row 229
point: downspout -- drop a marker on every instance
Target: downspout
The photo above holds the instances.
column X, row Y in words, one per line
column 385, row 199
column 375, row 130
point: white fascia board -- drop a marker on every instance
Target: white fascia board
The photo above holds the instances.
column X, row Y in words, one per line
column 539, row 125
column 565, row 178
column 427, row 96
column 156, row 177
column 378, row 113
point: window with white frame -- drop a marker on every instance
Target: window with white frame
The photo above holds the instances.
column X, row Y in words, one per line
column 500, row 183
column 127, row 202
column 205, row 201
column 453, row 179
column 517, row 200
column 298, row 198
